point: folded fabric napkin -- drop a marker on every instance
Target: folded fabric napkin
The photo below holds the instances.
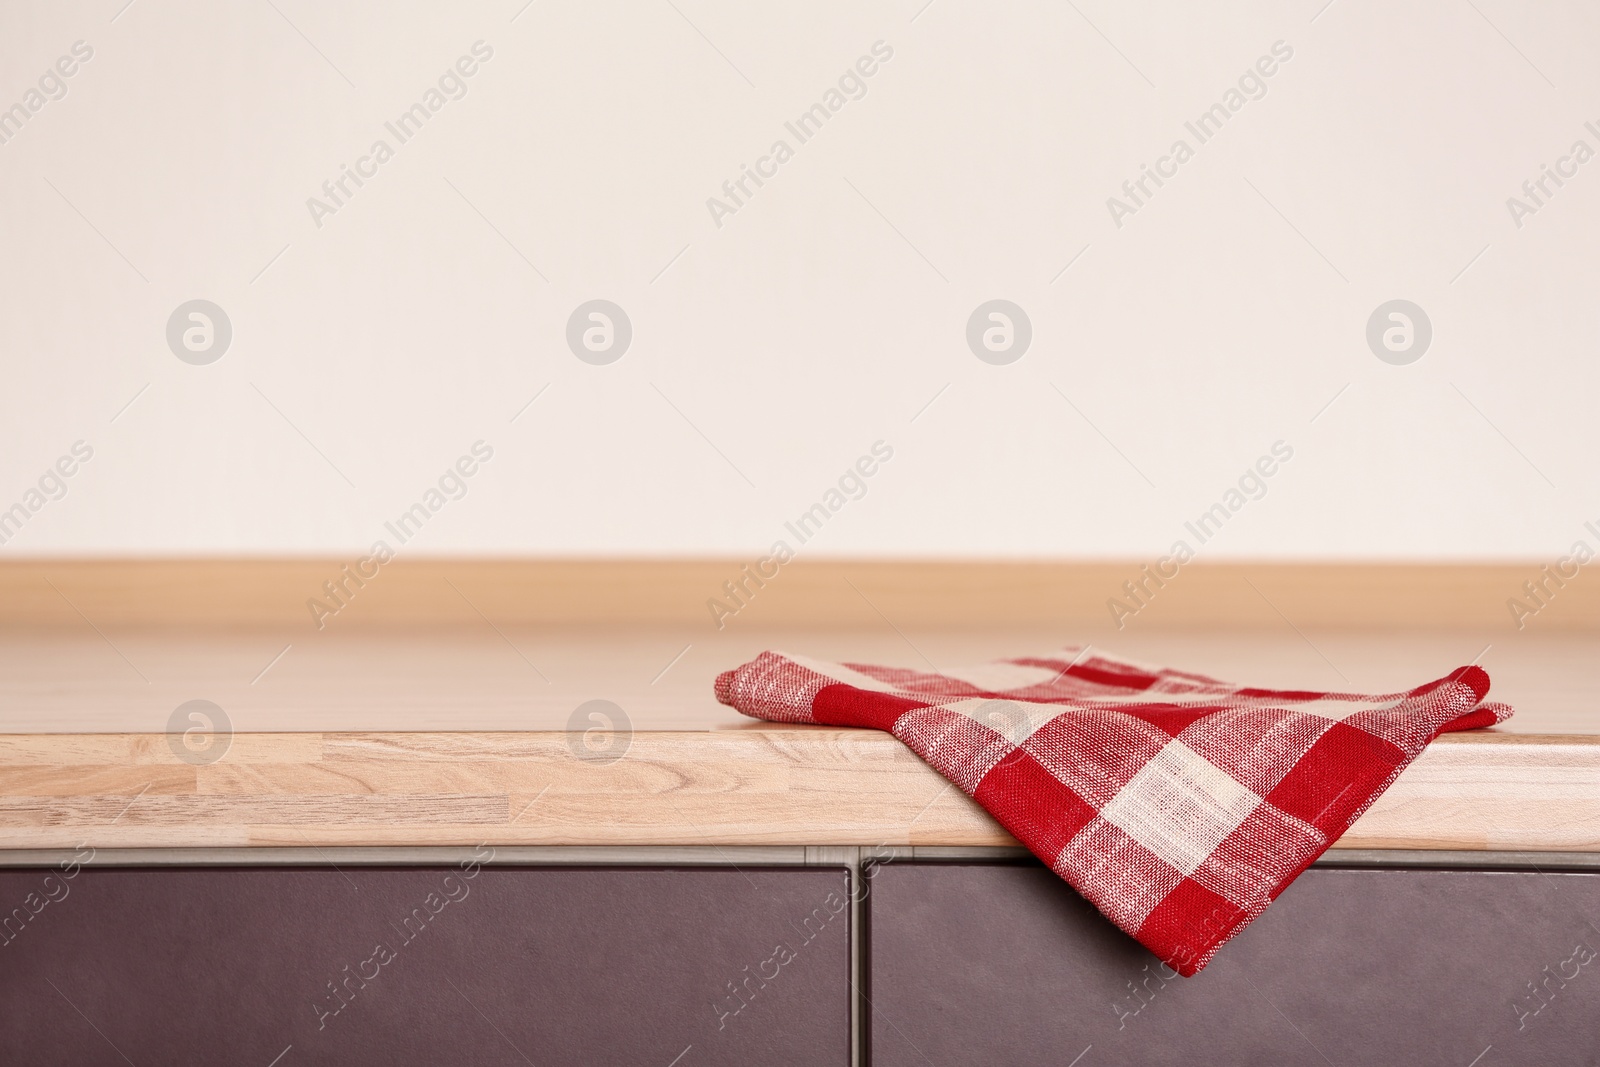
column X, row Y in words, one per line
column 1177, row 804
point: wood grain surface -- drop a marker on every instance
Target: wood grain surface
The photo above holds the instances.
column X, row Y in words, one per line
column 466, row 733
column 765, row 785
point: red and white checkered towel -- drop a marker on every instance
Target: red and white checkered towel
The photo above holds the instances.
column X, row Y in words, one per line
column 1179, row 805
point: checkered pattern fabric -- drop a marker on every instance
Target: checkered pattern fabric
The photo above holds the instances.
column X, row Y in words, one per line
column 1179, row 805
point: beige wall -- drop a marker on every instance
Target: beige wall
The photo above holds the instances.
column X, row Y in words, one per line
column 376, row 340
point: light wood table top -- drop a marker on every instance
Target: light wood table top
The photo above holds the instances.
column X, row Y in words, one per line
column 413, row 736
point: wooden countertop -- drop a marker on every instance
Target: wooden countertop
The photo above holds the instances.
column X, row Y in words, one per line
column 408, row 735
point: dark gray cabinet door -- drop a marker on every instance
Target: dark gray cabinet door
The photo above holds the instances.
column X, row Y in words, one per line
column 1002, row 964
column 428, row 966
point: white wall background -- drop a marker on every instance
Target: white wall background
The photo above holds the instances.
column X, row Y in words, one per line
column 372, row 351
